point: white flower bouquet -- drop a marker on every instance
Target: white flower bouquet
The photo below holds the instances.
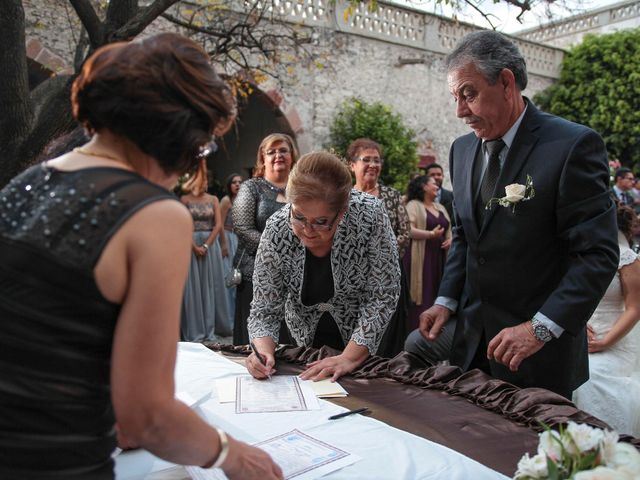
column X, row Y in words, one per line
column 580, row 452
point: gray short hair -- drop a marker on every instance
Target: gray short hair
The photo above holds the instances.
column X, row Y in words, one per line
column 490, row 52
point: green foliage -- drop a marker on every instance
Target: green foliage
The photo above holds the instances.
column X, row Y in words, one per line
column 600, row 87
column 376, row 121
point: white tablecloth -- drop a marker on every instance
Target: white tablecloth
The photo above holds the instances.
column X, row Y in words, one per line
column 386, row 452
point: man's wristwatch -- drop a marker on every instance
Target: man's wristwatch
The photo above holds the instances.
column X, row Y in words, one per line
column 540, row 331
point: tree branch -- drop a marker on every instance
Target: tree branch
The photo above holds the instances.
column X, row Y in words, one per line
column 181, row 23
column 119, row 12
column 141, row 20
column 90, row 21
column 81, row 50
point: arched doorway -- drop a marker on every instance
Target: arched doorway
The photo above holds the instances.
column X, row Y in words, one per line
column 258, row 116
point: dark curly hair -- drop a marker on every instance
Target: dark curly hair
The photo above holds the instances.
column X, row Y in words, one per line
column 415, row 190
column 627, row 220
column 161, row 93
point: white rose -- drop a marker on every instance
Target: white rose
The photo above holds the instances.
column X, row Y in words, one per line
column 585, row 438
column 532, row 467
column 600, row 473
column 625, row 457
column 550, row 445
column 609, row 442
column 515, row 192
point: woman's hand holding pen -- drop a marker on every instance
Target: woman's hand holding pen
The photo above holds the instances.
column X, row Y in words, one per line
column 262, row 360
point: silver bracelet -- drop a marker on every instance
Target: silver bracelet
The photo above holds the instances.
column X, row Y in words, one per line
column 224, row 449
column 205, row 246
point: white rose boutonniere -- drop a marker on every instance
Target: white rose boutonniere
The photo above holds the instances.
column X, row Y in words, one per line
column 515, row 193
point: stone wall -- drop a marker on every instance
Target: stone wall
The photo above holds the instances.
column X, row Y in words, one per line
column 371, row 69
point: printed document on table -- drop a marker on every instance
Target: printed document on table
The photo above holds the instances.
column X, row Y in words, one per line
column 300, row 457
column 281, row 393
column 226, row 389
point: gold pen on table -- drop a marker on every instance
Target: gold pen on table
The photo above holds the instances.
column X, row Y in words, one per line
column 261, row 358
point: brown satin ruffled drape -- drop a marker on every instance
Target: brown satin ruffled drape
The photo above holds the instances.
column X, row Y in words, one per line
column 481, row 417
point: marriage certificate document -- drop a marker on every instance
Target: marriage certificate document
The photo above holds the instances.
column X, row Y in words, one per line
column 281, row 393
column 300, row 456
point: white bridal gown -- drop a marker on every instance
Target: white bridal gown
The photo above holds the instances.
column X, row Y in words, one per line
column 613, row 391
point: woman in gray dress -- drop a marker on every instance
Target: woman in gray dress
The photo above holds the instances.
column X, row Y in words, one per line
column 205, row 310
column 258, row 198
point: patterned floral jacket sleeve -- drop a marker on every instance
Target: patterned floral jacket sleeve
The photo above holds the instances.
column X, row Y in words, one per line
column 366, row 277
column 397, row 216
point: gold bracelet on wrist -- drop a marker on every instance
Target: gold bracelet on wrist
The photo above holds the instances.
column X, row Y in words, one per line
column 224, row 449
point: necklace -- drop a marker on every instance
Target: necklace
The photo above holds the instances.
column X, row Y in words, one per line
column 96, row 154
column 281, row 190
column 371, row 190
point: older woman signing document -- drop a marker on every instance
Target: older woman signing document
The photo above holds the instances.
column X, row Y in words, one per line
column 328, row 264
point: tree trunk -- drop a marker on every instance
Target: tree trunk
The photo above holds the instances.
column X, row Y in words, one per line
column 17, row 114
column 52, row 104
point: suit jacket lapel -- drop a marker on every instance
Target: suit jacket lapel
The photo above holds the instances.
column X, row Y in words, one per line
column 467, row 170
column 516, row 159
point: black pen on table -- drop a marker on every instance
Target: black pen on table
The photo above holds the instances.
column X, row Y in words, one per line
column 350, row 412
column 262, row 359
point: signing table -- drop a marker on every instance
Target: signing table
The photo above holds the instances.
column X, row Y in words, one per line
column 425, row 423
column 385, row 452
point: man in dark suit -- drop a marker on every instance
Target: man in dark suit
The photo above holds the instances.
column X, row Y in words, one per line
column 444, row 197
column 621, row 190
column 524, row 274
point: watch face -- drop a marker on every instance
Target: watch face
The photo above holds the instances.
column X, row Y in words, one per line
column 542, row 333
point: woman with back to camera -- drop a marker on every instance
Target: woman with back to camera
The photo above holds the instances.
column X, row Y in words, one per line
column 205, row 309
column 228, row 237
column 258, row 199
column 327, row 264
column 365, row 159
column 91, row 276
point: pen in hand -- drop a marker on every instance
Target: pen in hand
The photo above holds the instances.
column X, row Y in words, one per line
column 346, row 414
column 261, row 358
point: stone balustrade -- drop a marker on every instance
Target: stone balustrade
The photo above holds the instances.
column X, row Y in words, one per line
column 591, row 21
column 404, row 26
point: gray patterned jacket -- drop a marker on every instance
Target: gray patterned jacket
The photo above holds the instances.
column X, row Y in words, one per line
column 366, row 277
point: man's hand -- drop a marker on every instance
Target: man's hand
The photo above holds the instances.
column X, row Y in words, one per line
column 432, row 321
column 512, row 345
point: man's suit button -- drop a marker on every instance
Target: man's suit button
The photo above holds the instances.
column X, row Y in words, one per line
column 481, row 261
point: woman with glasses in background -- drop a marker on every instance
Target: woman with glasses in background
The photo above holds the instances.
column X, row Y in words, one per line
column 328, row 264
column 258, row 198
column 365, row 159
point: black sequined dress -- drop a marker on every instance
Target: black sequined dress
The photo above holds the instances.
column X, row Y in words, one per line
column 56, row 329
